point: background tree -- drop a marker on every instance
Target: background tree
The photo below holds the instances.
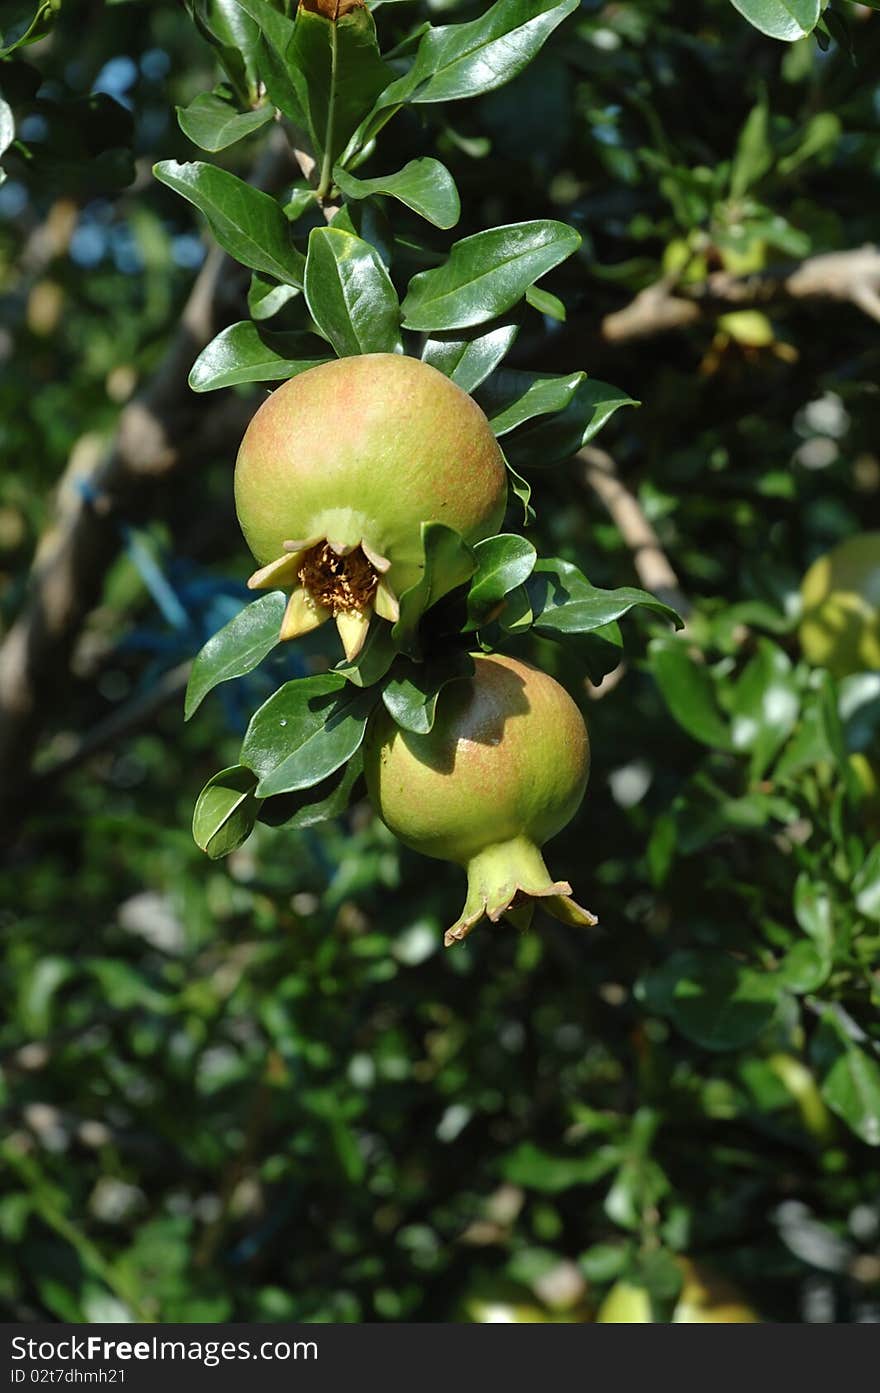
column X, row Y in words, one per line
column 259, row 1088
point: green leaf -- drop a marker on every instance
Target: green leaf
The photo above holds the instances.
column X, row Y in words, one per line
column 305, row 732
column 689, row 693
column 424, row 185
column 463, row 60
column 866, row 886
column 225, row 811
column 521, row 489
column 24, row 21
column 410, row 695
column 551, row 1175
column 350, row 295
column 817, row 737
column 851, row 1088
column 486, row 274
column 338, row 73
column 267, row 297
column 275, row 27
column 369, row 221
column 715, row 1001
column 765, row 706
column 555, row 440
column 813, row 909
column 246, row 353
column 503, row 563
column 449, row 562
column 235, row 37
column 781, row 19
column 469, row 359
column 374, row 659
column 237, row 648
column 309, row 806
column 278, row 82
column 564, row 601
column 510, row 398
column 246, row 222
column 545, row 303
column 213, row 121
column 754, row 153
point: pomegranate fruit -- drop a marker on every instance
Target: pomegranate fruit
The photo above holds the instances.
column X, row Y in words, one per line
column 840, row 628
column 502, row 771
column 338, row 469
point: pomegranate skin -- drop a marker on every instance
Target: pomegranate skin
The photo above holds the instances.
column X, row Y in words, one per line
column 504, row 769
column 365, row 449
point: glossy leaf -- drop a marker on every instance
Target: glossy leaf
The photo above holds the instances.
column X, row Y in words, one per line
column 225, row 811
column 689, row 693
column 781, row 19
column 511, row 398
column 374, row 659
column 246, row 222
column 308, row 807
column 486, row 274
column 866, row 886
column 503, row 563
column 546, row 304
column 424, row 185
column 521, row 490
column 564, row 601
column 556, row 438
column 410, row 695
column 369, row 221
column 851, row 1088
column 469, row 359
column 463, row 60
column 237, row 648
column 337, row 73
column 765, row 706
column 213, row 121
column 449, row 562
column 278, row 81
column 817, row 737
column 279, row 76
column 266, row 297
column 714, row 1000
column 350, row 295
column 234, row 36
column 305, row 732
column 246, row 353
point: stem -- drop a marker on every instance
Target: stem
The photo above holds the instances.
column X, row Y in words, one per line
column 327, row 162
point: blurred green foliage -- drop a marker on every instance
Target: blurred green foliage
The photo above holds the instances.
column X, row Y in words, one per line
column 260, row 1089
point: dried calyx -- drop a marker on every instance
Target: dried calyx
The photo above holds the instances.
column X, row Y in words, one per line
column 330, row 580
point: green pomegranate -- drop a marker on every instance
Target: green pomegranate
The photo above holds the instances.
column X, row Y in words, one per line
column 502, row 771
column 338, row 470
column 840, row 628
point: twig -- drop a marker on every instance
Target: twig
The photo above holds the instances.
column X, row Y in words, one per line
column 849, row 277
column 650, row 560
column 162, row 429
column 170, row 686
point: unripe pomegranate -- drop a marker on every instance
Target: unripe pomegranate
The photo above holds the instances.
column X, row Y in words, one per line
column 840, row 628
column 337, row 471
column 502, row 771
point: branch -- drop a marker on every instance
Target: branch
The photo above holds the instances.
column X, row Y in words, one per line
column 650, row 560
column 163, row 429
column 849, row 277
